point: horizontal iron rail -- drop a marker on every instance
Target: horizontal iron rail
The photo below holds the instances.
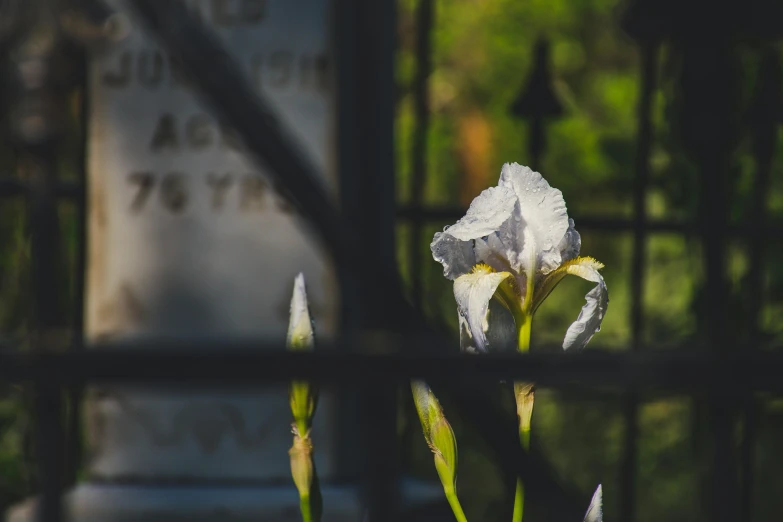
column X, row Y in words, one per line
column 13, row 187
column 247, row 363
column 602, row 223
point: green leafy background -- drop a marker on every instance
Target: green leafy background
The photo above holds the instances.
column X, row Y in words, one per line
column 483, row 54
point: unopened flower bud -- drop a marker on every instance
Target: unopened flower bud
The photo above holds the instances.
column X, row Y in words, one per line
column 301, row 454
column 595, row 512
column 438, row 434
column 302, row 395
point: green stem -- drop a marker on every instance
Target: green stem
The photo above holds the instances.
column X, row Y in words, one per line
column 304, row 507
column 524, row 330
column 451, row 496
column 519, row 502
column 519, row 493
column 524, row 438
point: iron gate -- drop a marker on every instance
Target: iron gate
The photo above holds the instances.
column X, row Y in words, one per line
column 366, row 99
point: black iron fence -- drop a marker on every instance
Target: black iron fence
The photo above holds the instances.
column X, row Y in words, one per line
column 728, row 372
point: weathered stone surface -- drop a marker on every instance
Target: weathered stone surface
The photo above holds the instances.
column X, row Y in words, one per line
column 188, row 238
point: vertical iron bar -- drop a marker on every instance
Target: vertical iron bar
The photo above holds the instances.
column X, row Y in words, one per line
column 721, row 403
column 73, row 425
column 380, row 447
column 39, row 167
column 376, row 89
column 537, row 101
column 344, row 28
column 38, row 126
column 365, row 41
column 48, row 445
column 536, row 142
column 424, row 22
column 714, row 212
column 710, row 94
column 765, row 117
column 649, row 52
column 421, row 100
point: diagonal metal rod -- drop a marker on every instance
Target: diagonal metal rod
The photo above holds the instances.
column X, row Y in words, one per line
column 225, row 89
column 223, row 86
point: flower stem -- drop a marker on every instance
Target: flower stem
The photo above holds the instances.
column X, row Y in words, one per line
column 306, row 478
column 519, row 493
column 524, row 396
column 304, row 507
column 451, row 496
column 524, row 330
column 519, row 502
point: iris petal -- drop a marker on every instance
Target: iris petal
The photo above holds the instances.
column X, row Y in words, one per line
column 543, row 213
column 473, row 293
column 592, row 314
column 488, row 213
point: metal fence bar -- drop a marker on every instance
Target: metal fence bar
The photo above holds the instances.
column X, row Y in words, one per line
column 154, row 362
column 603, row 224
column 648, row 82
column 421, row 107
column 347, row 77
column 39, row 165
column 47, row 399
column 48, row 446
column 765, row 117
column 375, row 31
column 13, row 187
column 424, row 23
column 711, row 142
column 75, row 394
column 380, row 449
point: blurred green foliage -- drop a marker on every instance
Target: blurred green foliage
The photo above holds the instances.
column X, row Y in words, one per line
column 482, row 58
column 18, row 472
column 483, row 54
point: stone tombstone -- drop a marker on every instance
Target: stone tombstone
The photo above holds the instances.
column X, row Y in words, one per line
column 188, row 238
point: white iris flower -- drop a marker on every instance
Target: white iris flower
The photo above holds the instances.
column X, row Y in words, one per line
column 516, row 243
